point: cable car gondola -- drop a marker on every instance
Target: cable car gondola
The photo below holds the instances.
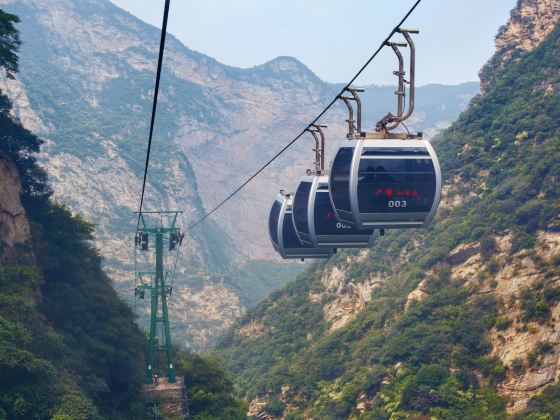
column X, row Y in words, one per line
column 315, row 220
column 283, row 234
column 314, row 217
column 383, row 179
column 385, row 183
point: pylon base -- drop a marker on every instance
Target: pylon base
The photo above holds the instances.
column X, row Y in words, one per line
column 171, row 398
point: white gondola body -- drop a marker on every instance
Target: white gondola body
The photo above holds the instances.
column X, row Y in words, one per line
column 283, row 235
column 385, row 183
column 315, row 221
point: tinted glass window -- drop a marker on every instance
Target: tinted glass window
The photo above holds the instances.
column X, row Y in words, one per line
column 289, row 233
column 326, row 222
column 340, row 178
column 393, row 151
column 383, row 166
column 273, row 221
column 396, row 185
column 301, row 202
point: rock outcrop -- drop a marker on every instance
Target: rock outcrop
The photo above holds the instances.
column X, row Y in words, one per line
column 515, row 340
column 344, row 296
column 530, row 22
column 15, row 235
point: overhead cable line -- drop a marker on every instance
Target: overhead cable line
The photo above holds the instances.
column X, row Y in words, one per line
column 262, row 168
column 154, row 105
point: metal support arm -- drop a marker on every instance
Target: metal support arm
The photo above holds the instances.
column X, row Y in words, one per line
column 355, row 97
column 410, row 109
column 400, row 73
column 316, row 131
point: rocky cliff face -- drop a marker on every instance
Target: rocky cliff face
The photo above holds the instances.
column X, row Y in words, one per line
column 340, row 295
column 15, row 237
column 516, row 342
column 530, row 22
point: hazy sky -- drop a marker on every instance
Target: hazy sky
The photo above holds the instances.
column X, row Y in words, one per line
column 333, row 39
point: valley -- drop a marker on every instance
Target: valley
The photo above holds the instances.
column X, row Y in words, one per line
column 85, row 87
column 456, row 320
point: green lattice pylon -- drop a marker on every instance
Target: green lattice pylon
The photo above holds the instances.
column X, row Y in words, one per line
column 153, row 226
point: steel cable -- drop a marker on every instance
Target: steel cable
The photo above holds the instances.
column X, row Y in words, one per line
column 154, row 104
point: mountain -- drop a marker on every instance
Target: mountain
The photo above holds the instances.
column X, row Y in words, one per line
column 455, row 321
column 86, row 85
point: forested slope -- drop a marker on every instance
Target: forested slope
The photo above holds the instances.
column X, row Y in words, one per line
column 456, row 321
column 70, row 348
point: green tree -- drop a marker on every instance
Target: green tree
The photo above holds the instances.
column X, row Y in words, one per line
column 209, row 390
column 19, row 143
column 9, row 43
